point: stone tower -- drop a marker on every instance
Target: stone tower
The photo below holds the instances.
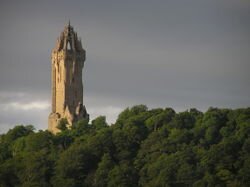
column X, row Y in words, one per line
column 67, row 62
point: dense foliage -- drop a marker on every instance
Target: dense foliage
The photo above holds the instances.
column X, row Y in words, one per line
column 149, row 148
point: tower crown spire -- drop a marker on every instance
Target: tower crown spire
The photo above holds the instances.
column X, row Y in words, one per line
column 68, row 40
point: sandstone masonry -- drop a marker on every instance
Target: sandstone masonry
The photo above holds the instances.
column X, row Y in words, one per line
column 67, row 62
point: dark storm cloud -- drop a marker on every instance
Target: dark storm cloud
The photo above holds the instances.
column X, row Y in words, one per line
column 175, row 53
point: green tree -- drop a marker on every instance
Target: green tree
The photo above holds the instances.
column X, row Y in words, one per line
column 100, row 122
column 37, row 169
column 160, row 118
column 17, row 132
column 73, row 166
column 62, row 125
column 104, row 167
column 122, row 175
column 38, row 141
column 156, row 147
column 8, row 173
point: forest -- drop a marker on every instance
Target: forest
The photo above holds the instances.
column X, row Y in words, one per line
column 144, row 147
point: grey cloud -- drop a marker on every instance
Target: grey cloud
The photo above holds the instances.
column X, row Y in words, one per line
column 22, row 108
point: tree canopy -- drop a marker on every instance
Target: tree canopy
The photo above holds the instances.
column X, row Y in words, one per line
column 145, row 147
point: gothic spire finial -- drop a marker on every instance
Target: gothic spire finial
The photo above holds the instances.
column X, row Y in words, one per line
column 69, row 23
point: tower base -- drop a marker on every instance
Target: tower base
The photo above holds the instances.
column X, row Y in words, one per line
column 53, row 120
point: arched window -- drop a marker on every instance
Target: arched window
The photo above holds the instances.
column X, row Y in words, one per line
column 68, row 46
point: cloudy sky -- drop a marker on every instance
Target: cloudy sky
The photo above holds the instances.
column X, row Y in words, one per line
column 162, row 53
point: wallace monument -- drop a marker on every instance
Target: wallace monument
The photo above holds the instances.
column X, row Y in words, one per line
column 67, row 62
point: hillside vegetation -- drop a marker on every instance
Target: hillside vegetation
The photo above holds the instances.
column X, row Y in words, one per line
column 147, row 148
